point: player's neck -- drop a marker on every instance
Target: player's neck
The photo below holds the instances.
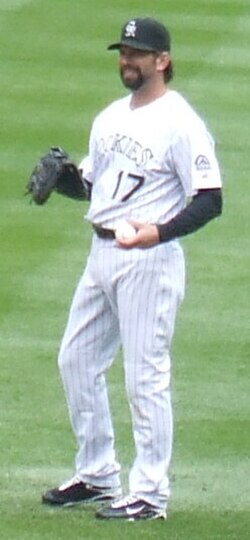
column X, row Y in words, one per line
column 144, row 95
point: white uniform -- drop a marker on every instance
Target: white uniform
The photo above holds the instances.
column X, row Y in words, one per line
column 143, row 164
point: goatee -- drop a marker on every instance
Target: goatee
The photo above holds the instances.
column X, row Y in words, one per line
column 133, row 83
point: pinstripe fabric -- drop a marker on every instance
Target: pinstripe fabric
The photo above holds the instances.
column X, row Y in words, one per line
column 127, row 298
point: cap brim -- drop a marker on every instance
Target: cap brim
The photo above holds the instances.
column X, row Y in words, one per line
column 131, row 43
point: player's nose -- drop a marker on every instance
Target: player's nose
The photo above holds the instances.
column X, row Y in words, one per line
column 124, row 59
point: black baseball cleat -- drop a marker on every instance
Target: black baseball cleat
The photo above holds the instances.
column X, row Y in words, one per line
column 76, row 492
column 132, row 509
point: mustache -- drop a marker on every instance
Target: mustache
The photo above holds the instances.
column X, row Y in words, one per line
column 136, row 70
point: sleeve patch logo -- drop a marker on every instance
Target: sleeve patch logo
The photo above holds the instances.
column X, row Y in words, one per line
column 202, row 163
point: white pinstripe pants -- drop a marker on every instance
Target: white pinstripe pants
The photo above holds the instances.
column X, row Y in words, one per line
column 127, row 298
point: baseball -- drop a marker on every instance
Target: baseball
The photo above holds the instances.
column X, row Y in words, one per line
column 124, row 231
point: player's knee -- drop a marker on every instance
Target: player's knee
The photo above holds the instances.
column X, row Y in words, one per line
column 149, row 380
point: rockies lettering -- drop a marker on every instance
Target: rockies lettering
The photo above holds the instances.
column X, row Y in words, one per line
column 127, row 146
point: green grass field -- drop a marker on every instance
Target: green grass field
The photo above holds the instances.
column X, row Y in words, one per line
column 55, row 76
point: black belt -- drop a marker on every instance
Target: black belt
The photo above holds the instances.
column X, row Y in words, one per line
column 106, row 234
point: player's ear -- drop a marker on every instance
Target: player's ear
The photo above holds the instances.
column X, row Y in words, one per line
column 162, row 61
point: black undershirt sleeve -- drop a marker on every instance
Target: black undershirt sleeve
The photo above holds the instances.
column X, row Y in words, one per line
column 206, row 205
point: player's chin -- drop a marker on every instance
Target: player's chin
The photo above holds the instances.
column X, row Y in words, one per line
column 131, row 79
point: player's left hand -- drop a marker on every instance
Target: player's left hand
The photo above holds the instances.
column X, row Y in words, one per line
column 146, row 236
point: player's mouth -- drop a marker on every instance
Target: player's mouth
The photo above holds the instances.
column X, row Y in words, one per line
column 129, row 72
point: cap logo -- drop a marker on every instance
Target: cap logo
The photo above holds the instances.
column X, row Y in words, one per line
column 130, row 29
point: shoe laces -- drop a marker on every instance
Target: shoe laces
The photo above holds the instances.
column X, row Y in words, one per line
column 69, row 483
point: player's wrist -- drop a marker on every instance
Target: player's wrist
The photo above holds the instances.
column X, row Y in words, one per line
column 166, row 232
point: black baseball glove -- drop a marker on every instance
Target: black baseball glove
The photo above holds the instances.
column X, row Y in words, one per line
column 56, row 172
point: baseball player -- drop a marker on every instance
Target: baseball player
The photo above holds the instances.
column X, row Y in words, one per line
column 152, row 165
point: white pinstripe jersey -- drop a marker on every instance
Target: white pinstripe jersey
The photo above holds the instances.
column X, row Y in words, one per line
column 144, row 163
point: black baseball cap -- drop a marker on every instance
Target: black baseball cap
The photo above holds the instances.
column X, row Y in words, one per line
column 145, row 34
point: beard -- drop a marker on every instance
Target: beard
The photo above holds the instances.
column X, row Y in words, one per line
column 132, row 78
